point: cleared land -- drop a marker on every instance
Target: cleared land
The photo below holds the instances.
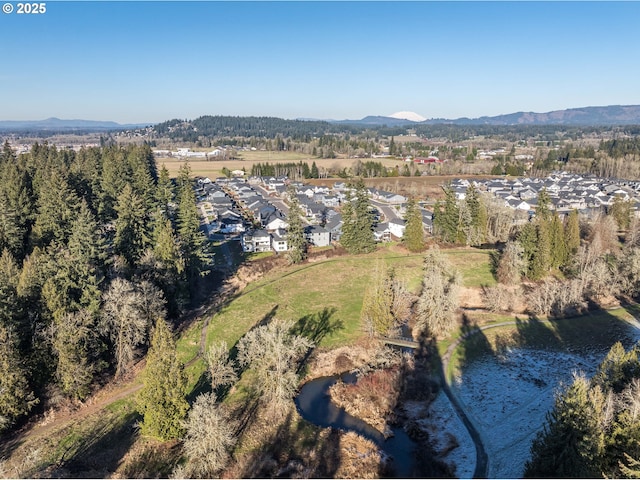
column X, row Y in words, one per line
column 213, row 168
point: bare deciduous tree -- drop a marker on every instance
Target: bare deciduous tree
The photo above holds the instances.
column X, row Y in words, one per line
column 500, row 298
column 209, row 438
column 376, row 315
column 127, row 315
column 220, row 368
column 512, row 264
column 439, row 298
column 500, row 220
column 604, row 235
column 272, row 352
column 552, row 297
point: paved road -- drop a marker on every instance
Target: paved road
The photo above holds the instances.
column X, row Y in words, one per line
column 389, row 211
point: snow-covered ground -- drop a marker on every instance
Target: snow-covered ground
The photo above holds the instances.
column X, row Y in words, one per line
column 507, row 398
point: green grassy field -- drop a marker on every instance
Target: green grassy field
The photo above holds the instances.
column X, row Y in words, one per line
column 325, row 297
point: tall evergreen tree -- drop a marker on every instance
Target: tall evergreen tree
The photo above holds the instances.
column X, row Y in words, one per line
column 58, row 205
column 572, row 233
column 87, row 243
column 144, row 173
column 413, row 237
column 572, row 442
column 116, row 174
column 17, row 209
column 543, row 208
column 528, row 240
column 357, row 230
column 132, row 235
column 477, row 230
column 162, row 400
column 559, row 254
column 164, row 192
column 541, row 261
column 314, row 171
column 447, row 217
column 77, row 349
column 194, row 245
column 296, row 242
column 16, row 396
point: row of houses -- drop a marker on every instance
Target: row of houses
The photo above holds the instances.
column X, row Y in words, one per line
column 588, row 194
column 187, row 153
column 248, row 207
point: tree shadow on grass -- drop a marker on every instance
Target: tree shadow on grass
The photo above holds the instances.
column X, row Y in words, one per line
column 316, row 326
column 473, row 343
column 98, row 451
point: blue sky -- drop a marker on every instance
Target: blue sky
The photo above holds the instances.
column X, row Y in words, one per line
column 153, row 61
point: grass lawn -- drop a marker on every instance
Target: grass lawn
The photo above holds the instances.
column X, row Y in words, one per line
column 329, row 294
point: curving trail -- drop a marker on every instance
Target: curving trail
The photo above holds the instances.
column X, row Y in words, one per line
column 482, row 459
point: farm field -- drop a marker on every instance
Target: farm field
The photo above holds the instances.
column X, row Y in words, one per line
column 213, row 168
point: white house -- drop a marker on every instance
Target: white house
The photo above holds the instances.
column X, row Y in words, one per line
column 397, row 227
column 279, row 241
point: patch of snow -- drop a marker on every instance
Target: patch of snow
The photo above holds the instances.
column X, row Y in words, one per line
column 414, row 117
column 507, row 397
column 446, row 430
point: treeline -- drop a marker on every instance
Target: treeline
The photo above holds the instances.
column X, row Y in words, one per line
column 262, row 127
column 302, row 170
column 621, row 147
column 294, row 171
column 270, row 127
column 95, row 247
column 593, row 430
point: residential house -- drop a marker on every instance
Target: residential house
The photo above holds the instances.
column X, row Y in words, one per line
column 397, row 227
column 279, row 240
column 381, row 232
column 317, row 236
column 275, row 221
column 256, row 241
column 334, row 225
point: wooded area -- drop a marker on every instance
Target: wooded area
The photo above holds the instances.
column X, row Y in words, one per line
column 97, row 246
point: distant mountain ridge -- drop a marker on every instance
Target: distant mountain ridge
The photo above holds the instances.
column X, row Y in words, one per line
column 54, row 123
column 608, row 115
column 584, row 116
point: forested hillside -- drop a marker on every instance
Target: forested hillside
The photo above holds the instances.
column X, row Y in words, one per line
column 95, row 247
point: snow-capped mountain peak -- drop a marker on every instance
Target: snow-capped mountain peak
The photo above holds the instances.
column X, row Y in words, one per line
column 414, row 117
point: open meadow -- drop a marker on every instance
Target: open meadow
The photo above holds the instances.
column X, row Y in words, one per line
column 327, row 293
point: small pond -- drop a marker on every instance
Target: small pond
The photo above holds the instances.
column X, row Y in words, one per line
column 314, row 404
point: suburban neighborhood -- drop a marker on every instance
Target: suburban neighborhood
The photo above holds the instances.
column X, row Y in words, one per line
column 254, row 210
